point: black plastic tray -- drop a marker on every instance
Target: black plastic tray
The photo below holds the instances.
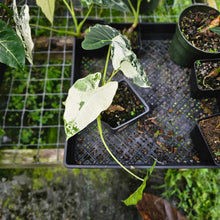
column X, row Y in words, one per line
column 163, row 133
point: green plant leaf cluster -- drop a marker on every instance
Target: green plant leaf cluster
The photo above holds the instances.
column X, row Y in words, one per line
column 197, row 191
column 137, row 195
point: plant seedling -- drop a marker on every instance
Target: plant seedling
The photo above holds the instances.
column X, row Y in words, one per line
column 48, row 8
column 86, row 99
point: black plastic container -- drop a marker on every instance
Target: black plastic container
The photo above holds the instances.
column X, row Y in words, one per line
column 137, row 99
column 200, row 142
column 163, row 133
column 181, row 50
column 146, row 7
column 196, row 90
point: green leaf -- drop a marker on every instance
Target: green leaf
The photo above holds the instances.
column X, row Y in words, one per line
column 85, row 101
column 23, row 29
column 2, row 132
column 113, row 4
column 137, row 195
column 9, row 11
column 125, row 59
column 99, row 36
column 11, row 47
column 47, row 7
column 216, row 30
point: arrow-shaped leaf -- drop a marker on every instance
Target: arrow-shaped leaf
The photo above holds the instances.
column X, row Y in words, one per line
column 12, row 52
column 99, row 36
column 85, row 101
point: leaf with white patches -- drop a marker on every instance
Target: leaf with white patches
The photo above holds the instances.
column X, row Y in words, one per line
column 85, row 101
column 23, row 29
column 125, row 59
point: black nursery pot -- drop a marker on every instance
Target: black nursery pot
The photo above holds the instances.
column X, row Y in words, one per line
column 181, row 51
column 133, row 107
column 198, row 90
column 146, row 7
column 201, row 144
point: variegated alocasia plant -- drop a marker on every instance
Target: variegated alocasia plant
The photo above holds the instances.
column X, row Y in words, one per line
column 48, row 7
column 87, row 99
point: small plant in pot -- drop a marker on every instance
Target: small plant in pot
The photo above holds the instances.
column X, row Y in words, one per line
column 205, row 79
column 195, row 37
column 206, row 137
column 93, row 94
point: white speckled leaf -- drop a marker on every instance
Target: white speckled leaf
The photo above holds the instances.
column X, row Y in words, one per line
column 23, row 29
column 124, row 58
column 85, row 101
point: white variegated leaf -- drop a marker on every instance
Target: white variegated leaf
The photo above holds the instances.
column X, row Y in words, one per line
column 124, row 58
column 47, row 7
column 23, row 29
column 85, row 101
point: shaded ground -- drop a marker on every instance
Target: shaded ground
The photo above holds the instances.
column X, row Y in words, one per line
column 59, row 193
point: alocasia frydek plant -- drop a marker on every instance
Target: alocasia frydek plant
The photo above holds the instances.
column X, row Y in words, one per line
column 91, row 95
column 48, row 7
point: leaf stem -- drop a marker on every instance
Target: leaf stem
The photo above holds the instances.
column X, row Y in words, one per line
column 78, row 30
column 136, row 13
column 72, row 12
column 113, row 74
column 53, row 29
column 107, row 148
column 106, row 65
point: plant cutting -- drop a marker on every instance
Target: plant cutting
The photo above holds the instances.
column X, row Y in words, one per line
column 205, row 79
column 195, row 37
column 48, row 8
column 93, row 94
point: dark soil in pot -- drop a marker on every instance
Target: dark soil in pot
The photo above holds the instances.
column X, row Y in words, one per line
column 125, row 106
column 210, row 128
column 208, row 74
column 192, row 26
